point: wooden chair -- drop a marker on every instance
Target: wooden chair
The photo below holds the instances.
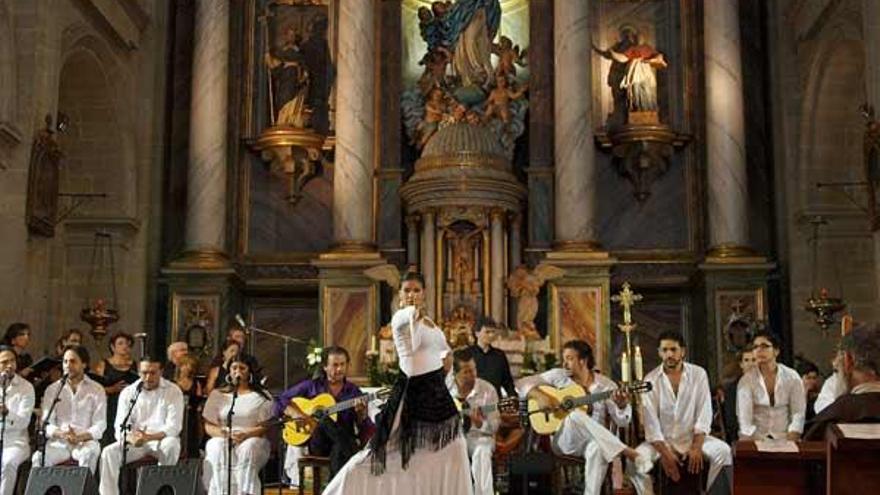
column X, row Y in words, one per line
column 316, row 464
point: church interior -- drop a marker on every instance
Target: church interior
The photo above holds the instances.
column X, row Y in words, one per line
column 603, row 171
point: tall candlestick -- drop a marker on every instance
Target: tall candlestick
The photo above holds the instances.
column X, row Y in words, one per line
column 624, row 368
column 637, row 363
column 373, row 343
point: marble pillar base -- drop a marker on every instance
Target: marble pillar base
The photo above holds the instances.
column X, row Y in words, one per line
column 733, row 254
column 728, row 287
column 349, row 305
column 202, row 259
column 579, row 306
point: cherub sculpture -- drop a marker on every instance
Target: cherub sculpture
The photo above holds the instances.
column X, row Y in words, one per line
column 498, row 102
column 509, row 56
column 435, row 108
column 525, row 285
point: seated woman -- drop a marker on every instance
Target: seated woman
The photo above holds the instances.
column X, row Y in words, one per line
column 250, row 448
column 185, row 378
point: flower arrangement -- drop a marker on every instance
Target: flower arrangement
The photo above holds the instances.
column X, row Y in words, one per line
column 315, row 358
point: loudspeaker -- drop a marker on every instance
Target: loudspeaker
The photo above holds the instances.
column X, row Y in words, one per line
column 71, row 480
column 182, row 479
column 531, row 473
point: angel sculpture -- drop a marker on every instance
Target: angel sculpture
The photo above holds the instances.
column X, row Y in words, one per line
column 525, row 285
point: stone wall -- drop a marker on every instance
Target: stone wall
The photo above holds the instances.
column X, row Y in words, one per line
column 102, row 64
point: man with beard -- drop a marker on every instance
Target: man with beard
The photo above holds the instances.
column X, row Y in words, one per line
column 678, row 417
column 582, row 433
column 16, row 413
column 860, row 368
column 479, row 428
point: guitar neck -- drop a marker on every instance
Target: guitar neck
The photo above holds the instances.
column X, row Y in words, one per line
column 592, row 398
column 348, row 404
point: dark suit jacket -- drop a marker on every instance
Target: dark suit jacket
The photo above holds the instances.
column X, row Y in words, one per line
column 849, row 408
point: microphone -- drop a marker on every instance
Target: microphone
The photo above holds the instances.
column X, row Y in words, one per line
column 141, row 335
column 64, row 378
column 140, row 386
column 240, row 321
column 232, row 381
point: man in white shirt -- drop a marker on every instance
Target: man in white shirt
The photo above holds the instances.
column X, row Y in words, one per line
column 79, row 417
column 583, row 434
column 16, row 413
column 480, row 429
column 153, row 427
column 770, row 398
column 678, row 418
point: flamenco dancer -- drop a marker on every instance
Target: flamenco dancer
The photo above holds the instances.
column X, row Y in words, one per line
column 418, row 446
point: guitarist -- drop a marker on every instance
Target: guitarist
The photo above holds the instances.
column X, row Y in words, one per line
column 479, row 428
column 582, row 432
column 337, row 440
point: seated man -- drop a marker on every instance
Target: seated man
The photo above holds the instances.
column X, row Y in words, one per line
column 338, row 440
column 79, row 418
column 18, row 409
column 175, row 351
column 153, row 427
column 834, row 386
column 678, row 416
column 770, row 398
column 479, row 429
column 812, row 384
column 861, row 371
column 582, row 433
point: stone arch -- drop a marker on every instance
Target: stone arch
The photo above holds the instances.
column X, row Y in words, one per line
column 95, row 93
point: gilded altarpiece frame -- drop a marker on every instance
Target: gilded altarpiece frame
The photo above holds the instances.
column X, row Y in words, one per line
column 348, row 318
column 736, row 305
column 192, row 313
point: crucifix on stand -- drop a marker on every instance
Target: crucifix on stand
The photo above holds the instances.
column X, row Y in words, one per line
column 630, row 364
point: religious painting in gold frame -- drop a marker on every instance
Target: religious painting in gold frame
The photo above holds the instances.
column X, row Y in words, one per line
column 194, row 320
column 734, row 309
column 576, row 313
column 348, row 317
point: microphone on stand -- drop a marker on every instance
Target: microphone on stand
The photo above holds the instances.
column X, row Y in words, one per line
column 244, row 326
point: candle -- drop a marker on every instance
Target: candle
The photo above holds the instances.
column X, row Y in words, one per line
column 637, row 363
column 373, row 342
column 624, row 368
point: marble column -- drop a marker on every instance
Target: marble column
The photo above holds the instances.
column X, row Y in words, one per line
column 355, row 87
column 499, row 274
column 206, row 180
column 575, row 214
column 515, row 241
column 725, row 131
column 429, row 257
column 412, row 240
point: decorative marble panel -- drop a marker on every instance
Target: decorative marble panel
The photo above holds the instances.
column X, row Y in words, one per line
column 577, row 315
column 349, row 318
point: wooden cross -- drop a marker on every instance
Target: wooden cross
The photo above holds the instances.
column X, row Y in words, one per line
column 626, row 298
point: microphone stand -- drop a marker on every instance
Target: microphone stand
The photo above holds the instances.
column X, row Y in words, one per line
column 285, row 338
column 48, row 418
column 3, row 388
column 229, row 446
column 125, row 428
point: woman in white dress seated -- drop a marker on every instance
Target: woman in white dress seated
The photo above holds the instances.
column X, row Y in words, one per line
column 418, row 446
column 253, row 408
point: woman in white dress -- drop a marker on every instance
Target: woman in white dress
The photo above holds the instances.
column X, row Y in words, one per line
column 418, row 446
column 253, row 408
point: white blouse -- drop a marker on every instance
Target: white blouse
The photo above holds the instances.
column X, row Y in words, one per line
column 419, row 344
column 251, row 409
column 755, row 414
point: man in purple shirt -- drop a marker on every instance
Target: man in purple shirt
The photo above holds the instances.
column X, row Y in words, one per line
column 337, row 440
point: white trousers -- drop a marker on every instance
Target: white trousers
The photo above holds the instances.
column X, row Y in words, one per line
column 581, row 435
column 247, row 459
column 291, row 463
column 166, row 451
column 13, row 456
column 85, row 454
column 715, row 451
column 480, row 449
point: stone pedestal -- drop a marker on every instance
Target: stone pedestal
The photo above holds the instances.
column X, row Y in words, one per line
column 580, row 303
column 348, row 305
column 731, row 288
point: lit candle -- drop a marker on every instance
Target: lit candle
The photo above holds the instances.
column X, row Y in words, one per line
column 624, row 368
column 373, row 342
column 637, row 363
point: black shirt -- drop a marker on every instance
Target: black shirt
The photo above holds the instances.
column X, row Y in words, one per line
column 493, row 367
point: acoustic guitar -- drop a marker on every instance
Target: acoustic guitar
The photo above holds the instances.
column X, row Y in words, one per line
column 546, row 421
column 298, row 430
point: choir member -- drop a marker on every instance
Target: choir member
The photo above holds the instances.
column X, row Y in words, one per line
column 582, row 433
column 16, row 413
column 153, row 427
column 770, row 398
column 480, row 428
column 250, row 450
column 678, row 418
column 78, row 419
